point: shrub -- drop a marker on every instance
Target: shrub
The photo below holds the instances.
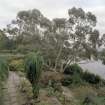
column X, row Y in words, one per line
column 3, row 69
column 33, row 67
column 57, row 86
column 3, row 76
column 77, row 80
column 16, row 65
column 72, row 80
column 91, row 78
column 67, row 81
column 77, row 76
column 26, row 88
column 50, row 92
column 72, row 69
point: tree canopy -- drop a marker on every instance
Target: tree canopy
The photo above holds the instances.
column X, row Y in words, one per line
column 60, row 40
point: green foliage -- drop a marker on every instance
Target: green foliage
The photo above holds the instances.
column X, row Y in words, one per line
column 1, row 95
column 77, row 76
column 26, row 88
column 67, row 81
column 6, row 43
column 54, row 44
column 16, row 65
column 50, row 91
column 74, row 72
column 72, row 69
column 56, row 85
column 91, row 78
column 72, row 80
column 3, row 76
column 93, row 100
column 3, row 69
column 77, row 80
column 33, row 67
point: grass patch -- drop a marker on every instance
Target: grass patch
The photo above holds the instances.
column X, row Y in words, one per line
column 87, row 95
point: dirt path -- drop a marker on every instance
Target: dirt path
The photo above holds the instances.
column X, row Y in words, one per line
column 67, row 92
column 11, row 92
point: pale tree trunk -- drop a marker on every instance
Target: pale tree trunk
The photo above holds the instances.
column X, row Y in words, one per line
column 61, row 68
column 57, row 58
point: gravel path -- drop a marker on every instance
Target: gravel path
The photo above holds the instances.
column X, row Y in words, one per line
column 11, row 92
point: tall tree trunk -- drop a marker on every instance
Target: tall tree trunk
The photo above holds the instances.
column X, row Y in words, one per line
column 61, row 68
column 57, row 58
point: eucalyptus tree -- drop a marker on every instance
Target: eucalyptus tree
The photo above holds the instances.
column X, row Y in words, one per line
column 103, row 40
column 59, row 24
column 60, row 40
column 56, row 40
column 29, row 27
column 80, row 27
column 102, row 45
column 26, row 23
column 72, row 38
column 94, row 38
column 5, row 42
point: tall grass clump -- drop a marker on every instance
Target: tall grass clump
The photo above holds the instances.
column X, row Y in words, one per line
column 33, row 67
column 3, row 69
column 3, row 76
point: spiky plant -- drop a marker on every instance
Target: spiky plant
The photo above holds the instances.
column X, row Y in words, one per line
column 3, row 69
column 33, row 67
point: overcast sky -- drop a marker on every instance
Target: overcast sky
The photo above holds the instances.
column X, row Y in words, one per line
column 51, row 9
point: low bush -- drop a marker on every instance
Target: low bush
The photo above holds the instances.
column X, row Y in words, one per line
column 16, row 65
column 3, row 76
column 57, row 86
column 3, row 69
column 91, row 78
column 50, row 92
column 67, row 81
column 72, row 80
column 77, row 76
column 74, row 73
column 26, row 88
column 72, row 69
column 77, row 80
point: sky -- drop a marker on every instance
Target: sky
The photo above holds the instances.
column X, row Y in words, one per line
column 52, row 9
